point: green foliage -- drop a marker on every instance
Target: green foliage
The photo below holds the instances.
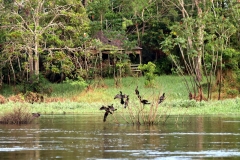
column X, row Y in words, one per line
column 126, row 23
column 176, row 102
column 163, row 66
column 149, row 73
column 233, row 92
column 184, row 103
column 36, row 83
column 98, row 8
column 78, row 83
column 58, row 63
column 231, row 59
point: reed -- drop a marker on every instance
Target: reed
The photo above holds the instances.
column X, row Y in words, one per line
column 138, row 113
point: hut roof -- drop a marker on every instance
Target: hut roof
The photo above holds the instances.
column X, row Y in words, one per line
column 110, row 41
column 115, row 40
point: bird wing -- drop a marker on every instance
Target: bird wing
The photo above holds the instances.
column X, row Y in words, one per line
column 117, row 96
column 103, row 108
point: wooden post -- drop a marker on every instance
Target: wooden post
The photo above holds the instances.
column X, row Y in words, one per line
column 140, row 57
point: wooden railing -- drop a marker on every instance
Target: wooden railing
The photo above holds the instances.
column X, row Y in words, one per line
column 134, row 68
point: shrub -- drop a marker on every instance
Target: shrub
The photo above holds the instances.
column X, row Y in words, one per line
column 232, row 92
column 19, row 115
column 149, row 70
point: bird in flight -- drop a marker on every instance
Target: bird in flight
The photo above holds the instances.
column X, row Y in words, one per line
column 108, row 110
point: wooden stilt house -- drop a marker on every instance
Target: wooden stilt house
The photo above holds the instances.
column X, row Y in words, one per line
column 113, row 49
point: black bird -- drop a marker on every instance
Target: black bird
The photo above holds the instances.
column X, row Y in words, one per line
column 106, row 114
column 103, row 108
column 137, row 91
column 162, row 98
column 143, row 101
column 122, row 101
column 36, row 115
column 111, row 108
column 126, row 101
column 108, row 110
column 120, row 95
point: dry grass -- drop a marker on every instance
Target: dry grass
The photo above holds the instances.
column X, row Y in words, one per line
column 2, row 99
column 19, row 115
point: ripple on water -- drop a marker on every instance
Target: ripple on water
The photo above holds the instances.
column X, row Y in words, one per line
column 180, row 154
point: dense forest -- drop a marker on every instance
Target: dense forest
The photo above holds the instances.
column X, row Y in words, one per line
column 57, row 40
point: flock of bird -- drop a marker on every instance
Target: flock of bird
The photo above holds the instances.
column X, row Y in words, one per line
column 124, row 100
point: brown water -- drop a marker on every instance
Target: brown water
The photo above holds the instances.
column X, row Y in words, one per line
column 71, row 137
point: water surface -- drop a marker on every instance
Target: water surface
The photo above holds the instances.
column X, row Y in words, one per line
column 87, row 137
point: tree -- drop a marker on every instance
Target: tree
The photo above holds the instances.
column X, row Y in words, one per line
column 192, row 35
column 37, row 26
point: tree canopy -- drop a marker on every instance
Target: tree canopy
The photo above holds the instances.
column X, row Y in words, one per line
column 56, row 38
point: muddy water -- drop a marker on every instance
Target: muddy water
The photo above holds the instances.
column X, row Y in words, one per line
column 87, row 137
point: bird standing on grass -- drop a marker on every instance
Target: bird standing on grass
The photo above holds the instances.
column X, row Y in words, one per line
column 162, row 98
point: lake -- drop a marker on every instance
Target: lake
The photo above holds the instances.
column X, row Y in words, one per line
column 88, row 137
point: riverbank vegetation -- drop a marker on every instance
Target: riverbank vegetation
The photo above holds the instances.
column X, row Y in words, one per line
column 68, row 98
column 82, row 54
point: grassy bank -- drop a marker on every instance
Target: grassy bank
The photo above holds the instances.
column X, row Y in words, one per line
column 179, row 107
column 77, row 100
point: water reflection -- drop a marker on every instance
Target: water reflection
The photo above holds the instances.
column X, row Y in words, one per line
column 87, row 137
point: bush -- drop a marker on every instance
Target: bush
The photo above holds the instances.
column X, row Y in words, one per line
column 232, row 92
column 36, row 84
column 148, row 70
column 163, row 66
column 19, row 115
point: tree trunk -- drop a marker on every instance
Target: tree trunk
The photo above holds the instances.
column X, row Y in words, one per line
column 30, row 62
column 200, row 35
column 36, row 57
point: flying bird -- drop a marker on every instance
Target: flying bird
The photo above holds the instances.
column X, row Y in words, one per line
column 106, row 114
column 108, row 110
column 120, row 95
column 111, row 108
column 103, row 108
